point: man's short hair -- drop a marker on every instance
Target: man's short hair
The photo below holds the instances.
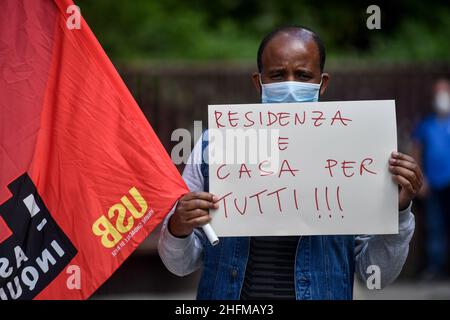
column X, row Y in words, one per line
column 299, row 30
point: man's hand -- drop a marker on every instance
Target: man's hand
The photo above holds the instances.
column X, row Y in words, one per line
column 192, row 211
column 407, row 174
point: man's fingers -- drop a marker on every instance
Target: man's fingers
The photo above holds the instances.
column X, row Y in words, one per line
column 402, row 156
column 407, row 162
column 411, row 165
column 403, row 163
column 199, row 195
column 198, row 222
column 404, row 183
column 196, row 213
column 198, row 204
column 192, row 211
column 406, row 168
column 407, row 174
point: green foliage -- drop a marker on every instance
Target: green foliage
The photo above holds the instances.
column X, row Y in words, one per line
column 232, row 29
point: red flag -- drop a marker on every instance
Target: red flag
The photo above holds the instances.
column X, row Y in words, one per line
column 83, row 177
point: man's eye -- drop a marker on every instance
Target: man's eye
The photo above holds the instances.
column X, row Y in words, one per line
column 276, row 76
column 304, row 76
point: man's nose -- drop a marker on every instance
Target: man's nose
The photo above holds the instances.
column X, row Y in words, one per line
column 290, row 76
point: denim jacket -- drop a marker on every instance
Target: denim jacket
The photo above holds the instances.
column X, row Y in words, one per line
column 324, row 265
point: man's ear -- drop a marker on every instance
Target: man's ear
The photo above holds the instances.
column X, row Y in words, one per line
column 256, row 83
column 325, row 79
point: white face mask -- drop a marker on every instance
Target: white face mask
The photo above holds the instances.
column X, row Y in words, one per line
column 289, row 91
column 442, row 102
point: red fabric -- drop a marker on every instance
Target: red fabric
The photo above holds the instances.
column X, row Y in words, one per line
column 70, row 123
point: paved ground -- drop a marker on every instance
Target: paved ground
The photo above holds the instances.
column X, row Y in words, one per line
column 143, row 276
column 406, row 290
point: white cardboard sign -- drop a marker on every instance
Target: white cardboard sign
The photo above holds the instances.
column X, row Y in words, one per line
column 303, row 168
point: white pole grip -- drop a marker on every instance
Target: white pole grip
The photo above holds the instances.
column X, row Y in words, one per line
column 212, row 237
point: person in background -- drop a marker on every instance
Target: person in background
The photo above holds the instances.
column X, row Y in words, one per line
column 431, row 148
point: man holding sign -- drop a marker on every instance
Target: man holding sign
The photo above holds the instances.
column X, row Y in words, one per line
column 307, row 256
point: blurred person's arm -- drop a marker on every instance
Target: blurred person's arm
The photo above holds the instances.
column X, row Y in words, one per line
column 388, row 252
column 183, row 255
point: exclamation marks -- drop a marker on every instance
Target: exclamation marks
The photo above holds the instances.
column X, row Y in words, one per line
column 328, row 197
column 295, row 199
column 317, row 201
column 33, row 208
column 328, row 203
column 339, row 201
